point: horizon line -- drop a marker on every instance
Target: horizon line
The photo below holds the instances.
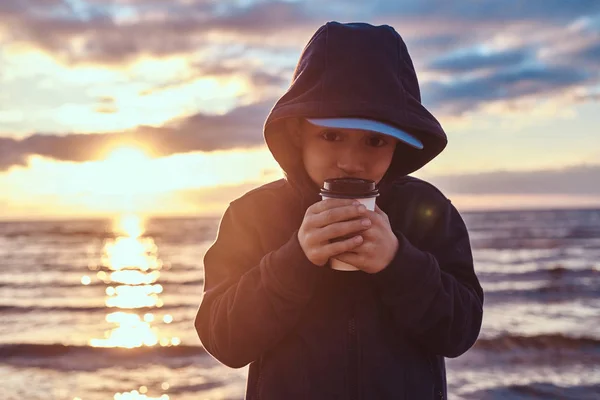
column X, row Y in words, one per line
column 50, row 218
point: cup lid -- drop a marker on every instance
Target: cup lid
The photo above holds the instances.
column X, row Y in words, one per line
column 349, row 187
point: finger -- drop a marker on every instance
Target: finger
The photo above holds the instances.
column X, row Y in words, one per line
column 327, row 204
column 337, row 214
column 339, row 229
column 375, row 218
column 333, row 249
column 366, row 248
column 361, row 254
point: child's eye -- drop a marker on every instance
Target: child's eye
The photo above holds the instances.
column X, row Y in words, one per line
column 376, row 141
column 330, row 136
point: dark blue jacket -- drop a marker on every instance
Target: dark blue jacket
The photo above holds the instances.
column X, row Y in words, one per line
column 311, row 332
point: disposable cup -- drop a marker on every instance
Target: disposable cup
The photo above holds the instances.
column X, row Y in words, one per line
column 362, row 190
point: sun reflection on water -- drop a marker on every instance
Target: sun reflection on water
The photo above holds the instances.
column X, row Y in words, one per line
column 130, row 267
column 131, row 332
column 135, row 395
column 133, row 277
column 131, row 253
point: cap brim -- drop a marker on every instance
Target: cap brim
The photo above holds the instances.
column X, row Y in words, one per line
column 368, row 125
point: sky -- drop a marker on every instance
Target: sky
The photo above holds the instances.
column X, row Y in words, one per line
column 157, row 107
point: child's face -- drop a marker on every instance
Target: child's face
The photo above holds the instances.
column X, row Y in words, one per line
column 340, row 153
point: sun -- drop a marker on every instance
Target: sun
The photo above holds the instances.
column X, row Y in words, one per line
column 128, row 174
column 130, row 225
column 127, row 156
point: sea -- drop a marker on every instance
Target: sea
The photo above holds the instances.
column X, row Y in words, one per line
column 104, row 309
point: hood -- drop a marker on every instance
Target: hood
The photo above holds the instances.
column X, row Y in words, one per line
column 354, row 70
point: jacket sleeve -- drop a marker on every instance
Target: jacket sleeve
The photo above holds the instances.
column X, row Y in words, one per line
column 250, row 300
column 432, row 291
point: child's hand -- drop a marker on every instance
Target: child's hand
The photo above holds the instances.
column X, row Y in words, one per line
column 379, row 246
column 331, row 219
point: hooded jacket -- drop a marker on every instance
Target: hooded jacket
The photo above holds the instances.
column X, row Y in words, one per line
column 311, row 332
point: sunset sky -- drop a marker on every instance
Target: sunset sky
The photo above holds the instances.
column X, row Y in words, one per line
column 157, row 107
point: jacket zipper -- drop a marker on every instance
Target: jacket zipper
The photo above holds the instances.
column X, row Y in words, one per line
column 353, row 358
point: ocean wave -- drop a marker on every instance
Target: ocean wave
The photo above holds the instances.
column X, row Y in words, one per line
column 85, row 309
column 538, row 342
column 58, row 284
column 500, row 343
column 87, row 358
column 21, row 309
column 58, row 232
column 536, row 351
column 516, row 243
column 584, row 232
column 202, row 233
column 557, row 272
column 78, row 266
column 543, row 288
column 543, row 296
column 508, row 350
column 39, row 350
column 537, row 390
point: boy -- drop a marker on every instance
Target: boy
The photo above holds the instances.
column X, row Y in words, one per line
column 270, row 299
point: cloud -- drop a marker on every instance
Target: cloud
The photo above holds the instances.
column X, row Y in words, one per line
column 106, row 105
column 590, row 54
column 239, row 128
column 263, row 17
column 461, row 37
column 115, row 32
column 577, row 181
column 228, row 65
column 261, row 79
column 461, row 95
column 93, row 34
column 436, row 43
column 477, row 59
column 9, row 7
column 491, row 10
column 215, row 195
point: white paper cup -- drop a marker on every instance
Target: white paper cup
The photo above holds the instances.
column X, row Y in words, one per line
column 369, row 203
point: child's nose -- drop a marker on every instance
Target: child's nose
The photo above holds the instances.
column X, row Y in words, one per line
column 350, row 163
